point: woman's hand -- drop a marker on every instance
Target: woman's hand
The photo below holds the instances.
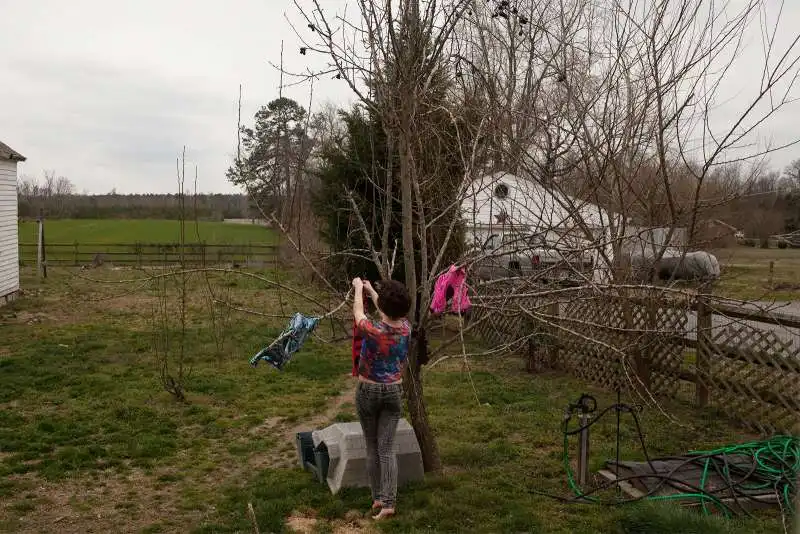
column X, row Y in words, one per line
column 370, row 291
column 358, row 284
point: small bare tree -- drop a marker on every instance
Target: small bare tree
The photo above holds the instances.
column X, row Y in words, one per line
column 169, row 330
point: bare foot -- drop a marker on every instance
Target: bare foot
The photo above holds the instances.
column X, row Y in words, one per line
column 383, row 514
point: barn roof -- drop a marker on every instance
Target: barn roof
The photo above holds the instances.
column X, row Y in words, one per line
column 6, row 152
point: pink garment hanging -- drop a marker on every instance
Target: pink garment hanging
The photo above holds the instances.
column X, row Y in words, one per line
column 453, row 282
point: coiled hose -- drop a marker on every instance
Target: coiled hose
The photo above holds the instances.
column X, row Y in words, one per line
column 773, row 465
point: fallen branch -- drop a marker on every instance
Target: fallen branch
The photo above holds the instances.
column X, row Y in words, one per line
column 252, row 514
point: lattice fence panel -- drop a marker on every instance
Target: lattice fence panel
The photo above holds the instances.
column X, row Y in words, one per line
column 501, row 324
column 754, row 376
column 598, row 338
column 752, row 373
column 593, row 341
column 664, row 347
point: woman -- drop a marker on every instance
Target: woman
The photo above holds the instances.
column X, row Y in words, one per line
column 379, row 397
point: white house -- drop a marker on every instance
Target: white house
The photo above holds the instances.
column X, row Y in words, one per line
column 501, row 208
column 9, row 240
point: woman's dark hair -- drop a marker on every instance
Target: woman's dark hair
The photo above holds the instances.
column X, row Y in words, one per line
column 393, row 299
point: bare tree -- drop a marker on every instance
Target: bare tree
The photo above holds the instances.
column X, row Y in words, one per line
column 608, row 109
column 170, row 324
column 49, row 194
column 643, row 141
column 393, row 58
column 792, row 174
column 63, row 187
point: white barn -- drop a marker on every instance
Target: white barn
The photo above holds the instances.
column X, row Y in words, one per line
column 502, row 208
column 9, row 240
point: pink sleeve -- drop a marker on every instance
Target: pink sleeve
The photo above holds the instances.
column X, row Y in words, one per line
column 439, row 302
column 461, row 300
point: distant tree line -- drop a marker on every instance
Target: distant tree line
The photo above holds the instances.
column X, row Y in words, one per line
column 292, row 164
column 55, row 197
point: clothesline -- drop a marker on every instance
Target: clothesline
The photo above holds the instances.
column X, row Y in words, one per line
column 450, row 288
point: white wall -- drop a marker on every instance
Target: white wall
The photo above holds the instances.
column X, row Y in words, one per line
column 528, row 204
column 532, row 209
column 9, row 245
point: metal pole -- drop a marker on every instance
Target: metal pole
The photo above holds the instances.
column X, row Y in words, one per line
column 583, row 449
column 41, row 256
column 39, row 247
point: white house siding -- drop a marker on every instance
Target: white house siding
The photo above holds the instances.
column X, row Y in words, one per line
column 532, row 209
column 9, row 245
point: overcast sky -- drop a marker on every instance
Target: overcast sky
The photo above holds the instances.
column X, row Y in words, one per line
column 106, row 92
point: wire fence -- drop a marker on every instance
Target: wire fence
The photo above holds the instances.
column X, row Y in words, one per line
column 150, row 254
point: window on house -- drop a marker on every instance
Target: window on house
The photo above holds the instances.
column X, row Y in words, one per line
column 501, row 191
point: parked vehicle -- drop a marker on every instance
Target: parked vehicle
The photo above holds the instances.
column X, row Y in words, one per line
column 526, row 256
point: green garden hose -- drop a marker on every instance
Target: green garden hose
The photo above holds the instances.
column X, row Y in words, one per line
column 774, row 464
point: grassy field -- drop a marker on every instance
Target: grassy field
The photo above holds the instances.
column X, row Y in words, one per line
column 145, row 230
column 746, row 273
column 745, row 270
column 89, row 442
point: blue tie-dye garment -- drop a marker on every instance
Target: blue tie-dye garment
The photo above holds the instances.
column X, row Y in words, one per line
column 280, row 351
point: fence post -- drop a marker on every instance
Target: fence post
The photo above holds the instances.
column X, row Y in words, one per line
column 75, row 254
column 630, row 339
column 553, row 356
column 41, row 255
column 644, row 350
column 533, row 359
column 533, row 364
column 703, row 354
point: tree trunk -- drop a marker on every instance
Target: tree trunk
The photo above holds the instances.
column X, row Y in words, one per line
column 416, row 400
column 418, row 412
column 407, row 201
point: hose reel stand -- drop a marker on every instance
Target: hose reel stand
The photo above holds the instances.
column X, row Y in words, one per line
column 584, row 407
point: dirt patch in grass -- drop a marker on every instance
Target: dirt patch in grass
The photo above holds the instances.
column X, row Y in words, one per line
column 353, row 523
column 325, row 418
column 302, row 525
column 279, row 426
column 40, row 318
column 107, row 502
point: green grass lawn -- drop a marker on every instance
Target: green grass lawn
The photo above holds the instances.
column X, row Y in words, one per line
column 145, row 231
column 90, row 442
column 746, row 273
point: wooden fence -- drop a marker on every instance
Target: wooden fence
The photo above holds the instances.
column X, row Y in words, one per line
column 148, row 254
column 741, row 361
